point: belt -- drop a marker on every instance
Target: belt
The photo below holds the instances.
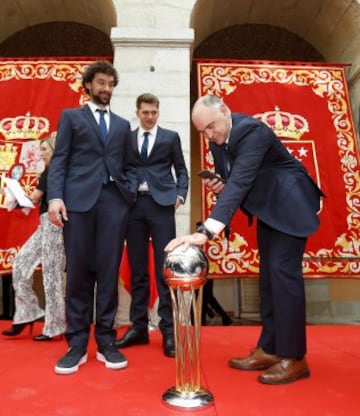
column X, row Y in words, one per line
column 144, row 193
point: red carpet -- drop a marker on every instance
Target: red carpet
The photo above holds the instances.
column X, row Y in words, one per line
column 30, row 387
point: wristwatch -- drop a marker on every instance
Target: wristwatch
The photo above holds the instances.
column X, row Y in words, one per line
column 203, row 230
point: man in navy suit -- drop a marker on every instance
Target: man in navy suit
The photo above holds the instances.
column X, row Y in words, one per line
column 267, row 182
column 89, row 193
column 155, row 153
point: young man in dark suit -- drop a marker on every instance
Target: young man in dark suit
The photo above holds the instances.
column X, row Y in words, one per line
column 267, row 182
column 89, row 195
column 155, row 153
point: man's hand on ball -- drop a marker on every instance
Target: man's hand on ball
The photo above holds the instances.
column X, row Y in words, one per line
column 197, row 239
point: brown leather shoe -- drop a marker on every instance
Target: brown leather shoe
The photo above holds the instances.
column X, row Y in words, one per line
column 257, row 360
column 285, row 371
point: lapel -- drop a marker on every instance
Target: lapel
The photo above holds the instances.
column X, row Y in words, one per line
column 237, row 120
column 134, row 143
column 160, row 135
column 112, row 129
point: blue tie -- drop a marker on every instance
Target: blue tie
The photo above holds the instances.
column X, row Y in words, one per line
column 103, row 131
column 144, row 147
column 102, row 125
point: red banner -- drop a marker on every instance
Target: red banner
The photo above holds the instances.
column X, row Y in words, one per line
column 308, row 107
column 33, row 93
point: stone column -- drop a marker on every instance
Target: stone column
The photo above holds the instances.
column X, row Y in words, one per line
column 156, row 61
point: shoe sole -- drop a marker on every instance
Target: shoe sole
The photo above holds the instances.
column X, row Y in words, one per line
column 108, row 364
column 145, row 342
column 172, row 355
column 257, row 368
column 303, row 374
column 71, row 370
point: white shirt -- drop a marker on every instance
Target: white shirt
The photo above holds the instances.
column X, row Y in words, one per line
column 93, row 107
column 151, row 138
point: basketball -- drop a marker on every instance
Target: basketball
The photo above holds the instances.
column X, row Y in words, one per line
column 186, row 268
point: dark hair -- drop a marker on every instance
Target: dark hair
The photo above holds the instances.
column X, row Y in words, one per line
column 148, row 99
column 99, row 67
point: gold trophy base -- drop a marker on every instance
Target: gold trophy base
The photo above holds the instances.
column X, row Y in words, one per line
column 193, row 400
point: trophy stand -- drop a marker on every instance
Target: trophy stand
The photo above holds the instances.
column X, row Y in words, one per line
column 187, row 393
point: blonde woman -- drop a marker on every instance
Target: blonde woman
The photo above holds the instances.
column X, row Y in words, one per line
column 44, row 247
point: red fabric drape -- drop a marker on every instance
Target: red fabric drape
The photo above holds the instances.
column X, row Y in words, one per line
column 125, row 274
column 34, row 91
column 309, row 109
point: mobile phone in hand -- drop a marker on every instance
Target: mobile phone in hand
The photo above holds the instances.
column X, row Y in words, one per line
column 208, row 174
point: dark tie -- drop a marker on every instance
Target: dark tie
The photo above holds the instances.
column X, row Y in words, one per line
column 226, row 162
column 144, row 147
column 103, row 131
column 225, row 175
column 102, row 125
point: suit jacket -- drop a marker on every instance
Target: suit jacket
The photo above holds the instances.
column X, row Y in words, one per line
column 165, row 155
column 80, row 160
column 266, row 181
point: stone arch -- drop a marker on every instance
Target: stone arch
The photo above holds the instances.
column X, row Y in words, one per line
column 74, row 28
column 257, row 42
column 62, row 39
column 290, row 30
column 19, row 15
column 330, row 29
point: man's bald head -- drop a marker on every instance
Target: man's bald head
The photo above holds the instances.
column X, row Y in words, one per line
column 212, row 117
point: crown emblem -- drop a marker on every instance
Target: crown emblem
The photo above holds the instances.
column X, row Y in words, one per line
column 284, row 124
column 8, row 154
column 24, row 127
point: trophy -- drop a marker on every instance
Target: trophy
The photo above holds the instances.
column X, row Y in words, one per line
column 185, row 273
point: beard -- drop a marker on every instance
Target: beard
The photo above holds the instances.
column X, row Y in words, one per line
column 101, row 99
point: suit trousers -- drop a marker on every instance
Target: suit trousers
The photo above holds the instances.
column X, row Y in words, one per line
column 149, row 219
column 94, row 244
column 282, row 293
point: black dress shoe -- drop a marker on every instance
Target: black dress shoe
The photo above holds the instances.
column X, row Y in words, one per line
column 17, row 329
column 42, row 337
column 169, row 346
column 133, row 337
column 226, row 320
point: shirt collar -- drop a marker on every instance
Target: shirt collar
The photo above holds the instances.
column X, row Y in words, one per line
column 230, row 128
column 93, row 107
column 152, row 131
